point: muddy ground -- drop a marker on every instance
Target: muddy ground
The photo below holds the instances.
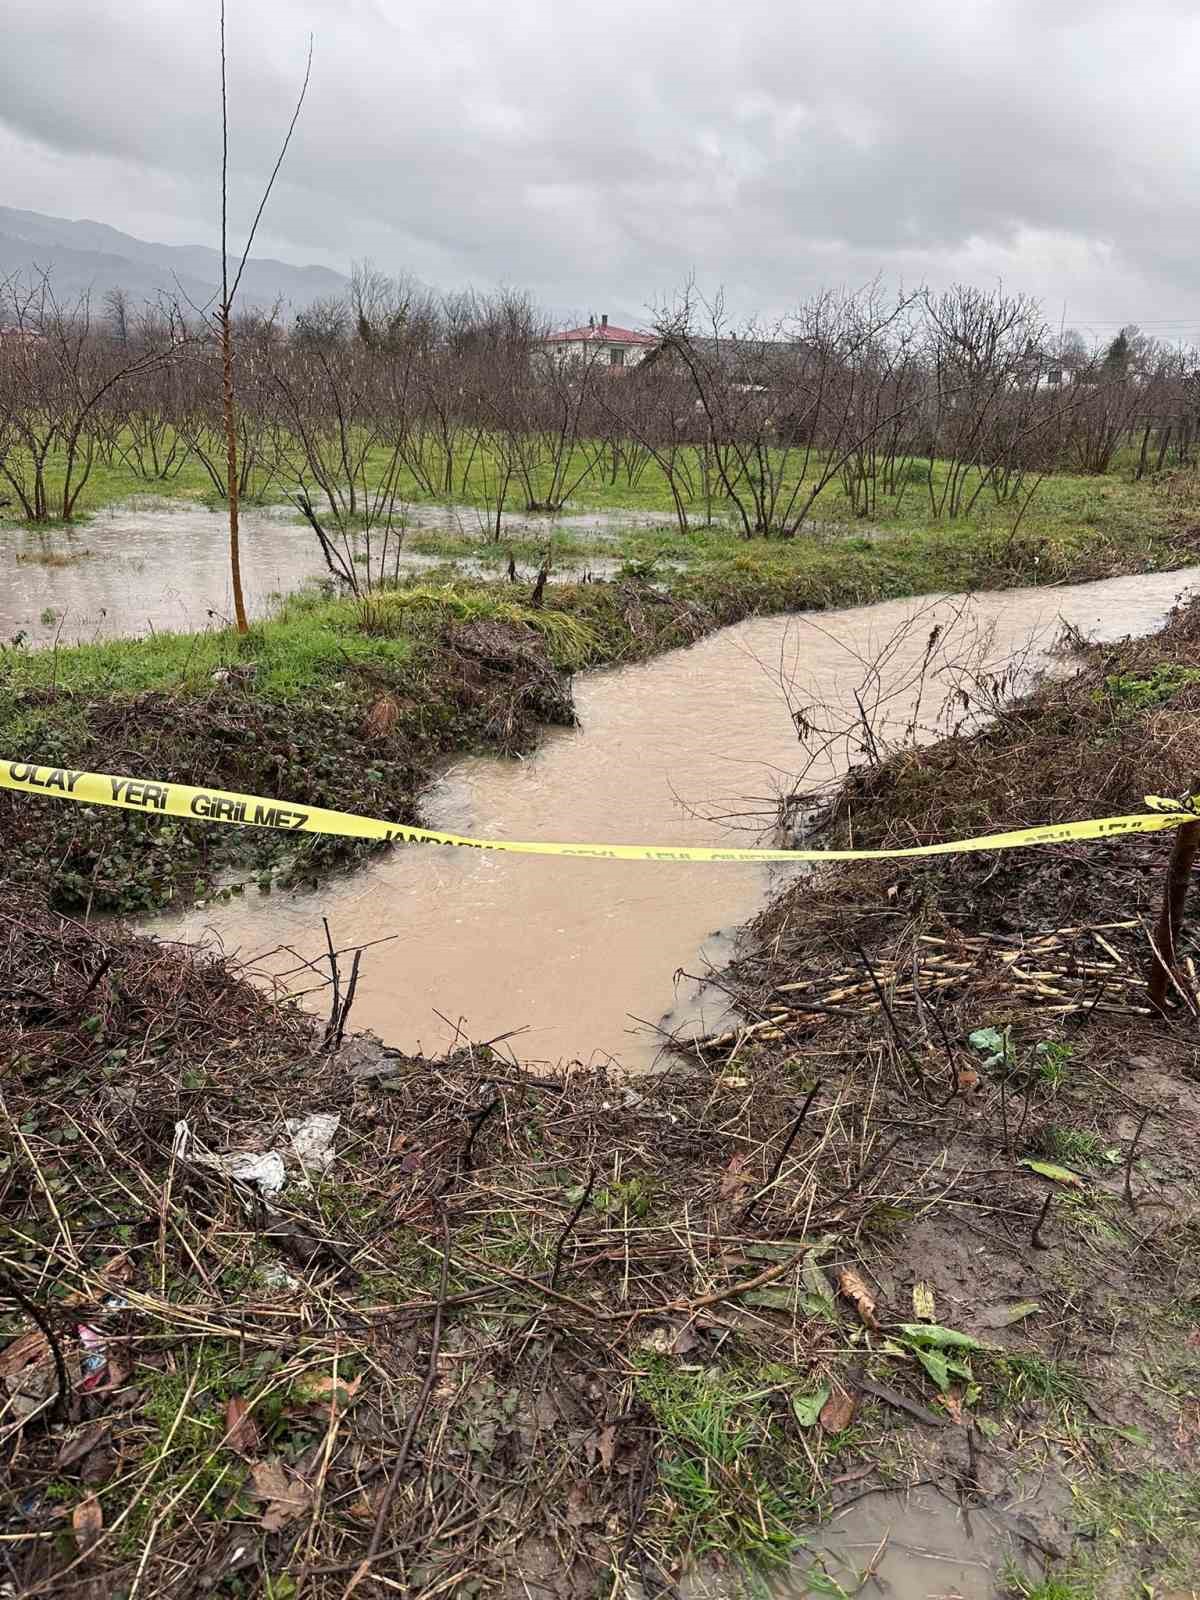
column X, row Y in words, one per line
column 927, row 1218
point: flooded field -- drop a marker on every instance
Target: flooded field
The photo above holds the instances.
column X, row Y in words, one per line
column 158, row 566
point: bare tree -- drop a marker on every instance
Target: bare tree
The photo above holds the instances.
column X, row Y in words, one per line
column 224, row 317
column 116, row 307
column 55, row 378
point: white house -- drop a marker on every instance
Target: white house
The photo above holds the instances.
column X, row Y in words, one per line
column 600, row 344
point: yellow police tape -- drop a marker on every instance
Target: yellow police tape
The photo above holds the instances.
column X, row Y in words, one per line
column 255, row 811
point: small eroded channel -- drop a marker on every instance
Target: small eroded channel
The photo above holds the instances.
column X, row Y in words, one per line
column 580, row 954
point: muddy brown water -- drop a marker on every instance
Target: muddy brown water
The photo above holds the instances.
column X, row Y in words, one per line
column 150, row 567
column 915, row 1545
column 581, row 953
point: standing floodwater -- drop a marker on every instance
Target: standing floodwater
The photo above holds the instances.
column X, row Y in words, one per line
column 164, row 566
column 581, row 953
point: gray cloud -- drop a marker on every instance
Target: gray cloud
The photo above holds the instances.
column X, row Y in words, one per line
column 599, row 155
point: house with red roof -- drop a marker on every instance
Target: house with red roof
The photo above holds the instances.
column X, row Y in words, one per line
column 600, row 344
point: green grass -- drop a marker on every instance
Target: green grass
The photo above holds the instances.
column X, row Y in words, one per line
column 1072, row 1146
column 1056, row 1586
column 720, row 1483
column 304, row 649
column 1066, row 509
column 1150, row 1519
column 1051, row 1061
column 1018, row 1379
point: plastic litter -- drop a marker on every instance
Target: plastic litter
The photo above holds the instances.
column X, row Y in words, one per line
column 312, row 1139
column 264, row 1169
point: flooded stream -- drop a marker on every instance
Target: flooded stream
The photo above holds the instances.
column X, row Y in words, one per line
column 579, row 954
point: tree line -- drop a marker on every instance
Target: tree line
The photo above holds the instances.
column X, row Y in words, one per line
column 393, row 391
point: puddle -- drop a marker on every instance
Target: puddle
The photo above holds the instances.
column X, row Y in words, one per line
column 580, row 953
column 164, row 566
column 473, row 523
column 897, row 1546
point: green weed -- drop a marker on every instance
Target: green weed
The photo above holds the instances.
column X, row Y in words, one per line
column 1017, row 1379
column 1055, row 1586
column 1071, row 1146
column 722, row 1488
column 1050, row 1062
column 1141, row 694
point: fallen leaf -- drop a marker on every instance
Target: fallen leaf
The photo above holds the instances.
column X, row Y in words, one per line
column 685, row 1340
column 241, row 1433
column 1047, row 1169
column 606, row 1444
column 939, row 1366
column 82, row 1443
column 952, row 1400
column 315, row 1387
column 1005, row 1316
column 808, row 1407
column 936, row 1366
column 381, row 717
column 735, row 1178
column 287, row 1496
column 816, row 1280
column 87, row 1520
column 772, row 1299
column 32, row 1389
column 579, row 1511
column 838, row 1411
column 99, row 1465
column 931, row 1333
column 853, row 1287
column 924, row 1305
column 22, row 1352
column 119, row 1269
column 1135, row 1435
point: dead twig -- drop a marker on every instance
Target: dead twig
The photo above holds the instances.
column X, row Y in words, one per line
column 1035, row 1237
column 571, row 1221
column 1129, row 1200
column 61, row 1399
column 1184, row 850
column 782, row 1156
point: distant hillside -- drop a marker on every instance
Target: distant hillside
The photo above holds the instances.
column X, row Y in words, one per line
column 92, row 256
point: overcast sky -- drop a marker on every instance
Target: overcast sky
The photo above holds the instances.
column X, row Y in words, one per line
column 599, row 153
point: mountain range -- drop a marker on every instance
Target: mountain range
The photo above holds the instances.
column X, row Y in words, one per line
column 91, row 257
